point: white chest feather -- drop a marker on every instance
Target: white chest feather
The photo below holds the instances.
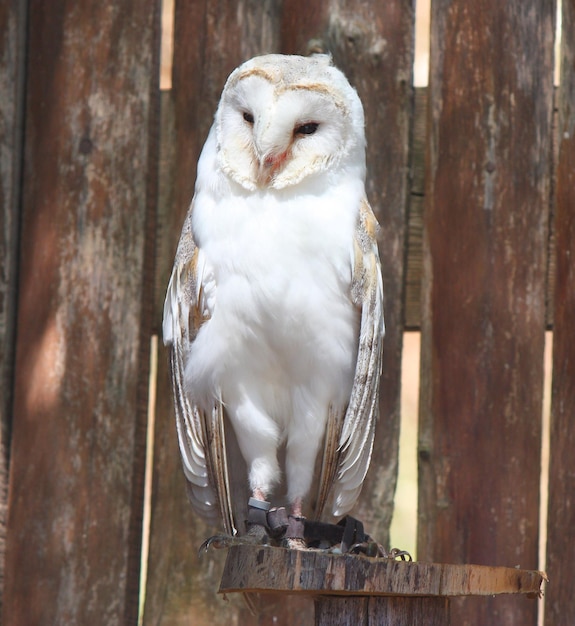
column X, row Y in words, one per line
column 279, row 267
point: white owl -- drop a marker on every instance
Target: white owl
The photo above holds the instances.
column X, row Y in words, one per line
column 274, row 310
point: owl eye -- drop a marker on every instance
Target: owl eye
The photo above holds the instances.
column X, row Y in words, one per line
column 248, row 117
column 306, row 129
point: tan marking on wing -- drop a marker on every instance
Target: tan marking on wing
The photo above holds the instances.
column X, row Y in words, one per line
column 201, row 434
column 356, row 430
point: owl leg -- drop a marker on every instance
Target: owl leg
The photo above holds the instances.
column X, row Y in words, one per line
column 301, row 453
column 258, row 436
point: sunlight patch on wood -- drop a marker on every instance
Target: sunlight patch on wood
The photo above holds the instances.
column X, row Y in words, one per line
column 167, row 49
column 148, row 476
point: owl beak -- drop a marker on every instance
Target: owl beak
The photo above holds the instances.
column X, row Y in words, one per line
column 269, row 165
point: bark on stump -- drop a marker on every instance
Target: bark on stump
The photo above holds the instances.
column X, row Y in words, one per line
column 350, row 589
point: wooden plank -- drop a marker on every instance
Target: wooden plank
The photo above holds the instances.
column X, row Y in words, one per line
column 74, row 524
column 265, row 569
column 12, row 49
column 381, row 611
column 210, row 40
column 560, row 600
column 485, row 238
column 414, row 252
column 372, row 42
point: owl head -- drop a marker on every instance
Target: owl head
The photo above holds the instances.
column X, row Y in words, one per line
column 287, row 119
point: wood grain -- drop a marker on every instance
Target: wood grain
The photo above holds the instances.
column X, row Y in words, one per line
column 265, row 569
column 560, row 600
column 74, row 527
column 210, row 40
column 485, row 241
column 12, row 53
column 372, row 43
column 381, row 611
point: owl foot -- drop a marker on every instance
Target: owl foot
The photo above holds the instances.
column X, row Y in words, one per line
column 294, row 543
column 219, row 542
column 376, row 550
column 256, row 536
column 395, row 554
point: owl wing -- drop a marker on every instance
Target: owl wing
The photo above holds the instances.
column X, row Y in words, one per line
column 201, row 434
column 349, row 434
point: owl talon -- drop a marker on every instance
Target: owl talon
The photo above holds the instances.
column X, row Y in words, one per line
column 376, row 550
column 256, row 535
column 395, row 554
column 219, row 542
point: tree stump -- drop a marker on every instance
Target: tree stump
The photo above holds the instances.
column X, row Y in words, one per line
column 352, row 589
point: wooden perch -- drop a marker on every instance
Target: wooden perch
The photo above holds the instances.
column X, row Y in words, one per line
column 352, row 589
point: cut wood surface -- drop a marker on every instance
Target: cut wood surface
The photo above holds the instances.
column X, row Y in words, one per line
column 264, row 568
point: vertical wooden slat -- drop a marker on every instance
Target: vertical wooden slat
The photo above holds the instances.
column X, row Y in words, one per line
column 488, row 165
column 12, row 43
column 414, row 245
column 83, row 322
column 560, row 600
column 372, row 43
column 210, row 40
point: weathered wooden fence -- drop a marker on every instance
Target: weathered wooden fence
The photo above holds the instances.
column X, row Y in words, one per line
column 95, row 178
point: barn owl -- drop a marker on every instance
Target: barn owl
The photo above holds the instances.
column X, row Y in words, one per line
column 274, row 310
